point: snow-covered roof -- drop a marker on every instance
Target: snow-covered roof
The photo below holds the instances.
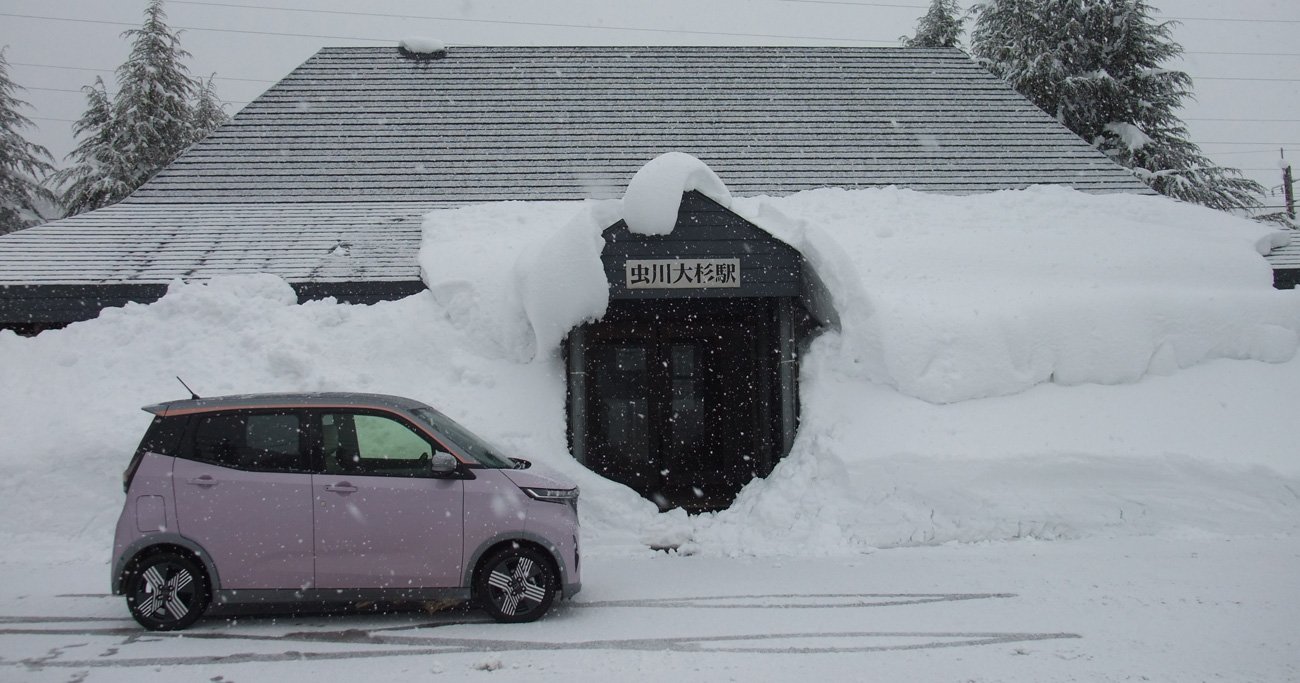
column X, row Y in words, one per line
column 140, row 243
column 502, row 123
column 324, row 177
column 1287, row 257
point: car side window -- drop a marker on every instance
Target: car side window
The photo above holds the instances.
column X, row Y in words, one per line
column 262, row 442
column 373, row 444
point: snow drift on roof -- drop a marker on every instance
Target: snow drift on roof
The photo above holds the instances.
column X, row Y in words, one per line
column 422, row 46
column 945, row 298
column 653, row 197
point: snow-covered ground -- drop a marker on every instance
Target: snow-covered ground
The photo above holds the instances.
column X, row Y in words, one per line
column 1067, row 419
column 1092, row 610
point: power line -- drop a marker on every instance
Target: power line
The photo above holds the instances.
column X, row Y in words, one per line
column 37, row 87
column 190, row 28
column 849, row 3
column 528, row 23
column 1242, row 54
column 1245, row 78
column 584, row 26
column 1276, row 144
column 79, row 91
column 1244, row 151
column 488, row 21
column 1246, row 120
column 262, row 80
column 854, row 4
column 1235, row 20
column 109, row 71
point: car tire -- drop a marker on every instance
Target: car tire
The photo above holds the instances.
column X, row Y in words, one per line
column 517, row 584
column 166, row 591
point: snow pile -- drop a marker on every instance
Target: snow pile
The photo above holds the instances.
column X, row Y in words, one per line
column 562, row 282
column 1008, row 296
column 71, row 413
column 653, row 197
column 953, row 298
column 422, row 46
column 517, row 276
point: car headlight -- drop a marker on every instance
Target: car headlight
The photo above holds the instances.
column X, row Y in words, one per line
column 569, row 496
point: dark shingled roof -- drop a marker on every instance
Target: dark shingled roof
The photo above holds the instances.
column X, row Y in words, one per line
column 323, row 179
column 500, row 123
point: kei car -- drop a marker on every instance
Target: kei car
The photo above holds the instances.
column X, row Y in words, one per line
column 283, row 499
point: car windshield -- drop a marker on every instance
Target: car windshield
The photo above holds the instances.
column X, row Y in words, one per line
column 473, row 445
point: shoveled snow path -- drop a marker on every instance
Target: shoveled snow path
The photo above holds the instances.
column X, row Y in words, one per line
column 1086, row 610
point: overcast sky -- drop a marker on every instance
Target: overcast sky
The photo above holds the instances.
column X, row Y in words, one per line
column 1244, row 56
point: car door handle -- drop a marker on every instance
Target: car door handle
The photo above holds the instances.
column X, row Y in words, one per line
column 205, row 481
column 341, row 487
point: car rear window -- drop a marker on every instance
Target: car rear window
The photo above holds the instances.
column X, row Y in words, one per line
column 163, row 437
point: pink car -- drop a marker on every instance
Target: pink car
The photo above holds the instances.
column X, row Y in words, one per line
column 329, row 498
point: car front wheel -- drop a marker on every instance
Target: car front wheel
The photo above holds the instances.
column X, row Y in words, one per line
column 166, row 591
column 517, row 584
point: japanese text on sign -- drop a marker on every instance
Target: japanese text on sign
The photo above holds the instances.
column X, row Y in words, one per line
column 683, row 273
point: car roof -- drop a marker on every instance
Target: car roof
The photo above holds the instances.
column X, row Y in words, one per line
column 285, row 400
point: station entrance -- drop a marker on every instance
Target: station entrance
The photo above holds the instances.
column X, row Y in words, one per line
column 686, row 389
column 679, row 405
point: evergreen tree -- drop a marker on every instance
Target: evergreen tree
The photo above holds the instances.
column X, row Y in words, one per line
column 209, row 112
column 20, row 161
column 157, row 113
column 151, row 113
column 940, row 27
column 101, row 174
column 1096, row 66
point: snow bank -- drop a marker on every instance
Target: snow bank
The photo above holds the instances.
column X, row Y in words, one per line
column 1066, row 312
column 562, row 282
column 953, row 298
column 517, row 276
column 1209, row 451
column 653, row 197
column 71, row 413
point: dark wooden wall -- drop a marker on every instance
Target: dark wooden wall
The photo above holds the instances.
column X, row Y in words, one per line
column 36, row 307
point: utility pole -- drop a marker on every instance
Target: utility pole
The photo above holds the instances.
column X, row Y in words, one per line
column 1288, row 185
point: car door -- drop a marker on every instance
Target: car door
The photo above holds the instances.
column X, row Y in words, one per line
column 243, row 493
column 382, row 519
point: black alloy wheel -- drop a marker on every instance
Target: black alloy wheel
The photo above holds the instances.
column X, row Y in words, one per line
column 517, row 584
column 166, row 591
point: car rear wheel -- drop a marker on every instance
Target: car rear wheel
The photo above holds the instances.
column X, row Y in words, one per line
column 166, row 591
column 517, row 584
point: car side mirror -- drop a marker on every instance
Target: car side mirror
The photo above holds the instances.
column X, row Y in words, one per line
column 443, row 464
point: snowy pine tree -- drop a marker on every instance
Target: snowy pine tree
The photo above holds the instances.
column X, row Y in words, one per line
column 209, row 112
column 1096, row 66
column 21, row 162
column 152, row 109
column 100, row 175
column 157, row 113
column 940, row 27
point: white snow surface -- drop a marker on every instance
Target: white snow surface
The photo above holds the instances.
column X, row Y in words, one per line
column 953, row 298
column 1041, row 363
column 1132, row 136
column 654, row 195
column 423, row 46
